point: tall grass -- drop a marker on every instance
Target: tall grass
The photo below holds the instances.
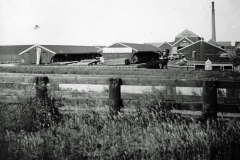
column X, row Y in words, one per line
column 152, row 132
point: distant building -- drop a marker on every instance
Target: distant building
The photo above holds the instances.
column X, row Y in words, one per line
column 183, row 42
column 202, row 51
column 167, row 47
column 58, row 53
column 224, row 44
column 132, row 51
column 184, row 39
column 188, row 34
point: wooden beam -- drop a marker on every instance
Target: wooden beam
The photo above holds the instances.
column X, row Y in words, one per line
column 229, row 108
column 229, row 84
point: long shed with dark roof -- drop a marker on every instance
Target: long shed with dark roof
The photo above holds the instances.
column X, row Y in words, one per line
column 73, row 53
column 132, row 51
column 59, row 53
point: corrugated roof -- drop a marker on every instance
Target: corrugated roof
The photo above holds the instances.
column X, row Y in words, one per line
column 142, row 47
column 155, row 44
column 13, row 49
column 186, row 33
column 62, row 49
column 211, row 41
column 225, row 43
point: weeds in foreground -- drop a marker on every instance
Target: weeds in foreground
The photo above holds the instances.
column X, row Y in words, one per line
column 152, row 133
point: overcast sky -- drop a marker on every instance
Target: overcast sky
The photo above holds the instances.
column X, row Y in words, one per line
column 104, row 22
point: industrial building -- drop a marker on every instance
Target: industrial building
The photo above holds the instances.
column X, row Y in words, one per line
column 58, row 53
column 224, row 44
column 188, row 34
column 167, row 47
column 202, row 51
column 135, row 53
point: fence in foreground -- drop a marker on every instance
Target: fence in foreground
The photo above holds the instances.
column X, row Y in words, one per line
column 208, row 102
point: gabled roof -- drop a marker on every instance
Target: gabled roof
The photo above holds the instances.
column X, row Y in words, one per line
column 13, row 49
column 225, row 43
column 182, row 39
column 211, row 41
column 186, row 33
column 204, row 42
column 155, row 44
column 142, row 47
column 34, row 47
column 64, row 49
column 165, row 43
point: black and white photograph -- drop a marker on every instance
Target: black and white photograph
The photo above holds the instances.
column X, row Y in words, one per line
column 119, row 79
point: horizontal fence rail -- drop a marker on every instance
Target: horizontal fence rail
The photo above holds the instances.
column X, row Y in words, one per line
column 206, row 102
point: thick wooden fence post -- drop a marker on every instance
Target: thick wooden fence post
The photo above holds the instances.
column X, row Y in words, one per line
column 41, row 87
column 114, row 95
column 209, row 99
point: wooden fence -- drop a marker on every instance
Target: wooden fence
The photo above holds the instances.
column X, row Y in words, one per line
column 209, row 102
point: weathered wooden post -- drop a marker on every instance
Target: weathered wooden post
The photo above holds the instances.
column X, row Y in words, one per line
column 114, row 95
column 209, row 99
column 41, row 87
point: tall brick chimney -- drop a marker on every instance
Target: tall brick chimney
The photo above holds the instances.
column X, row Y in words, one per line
column 213, row 23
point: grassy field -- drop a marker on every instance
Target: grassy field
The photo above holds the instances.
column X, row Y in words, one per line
column 37, row 130
column 119, row 71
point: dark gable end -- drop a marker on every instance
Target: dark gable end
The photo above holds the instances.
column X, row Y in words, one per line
column 204, row 51
column 166, row 46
